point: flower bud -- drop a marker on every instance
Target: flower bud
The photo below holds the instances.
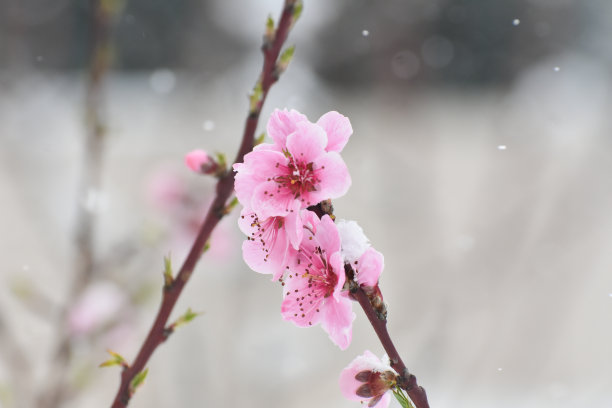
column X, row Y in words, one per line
column 368, row 379
column 200, row 162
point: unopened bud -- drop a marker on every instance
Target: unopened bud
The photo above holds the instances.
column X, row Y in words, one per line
column 200, row 162
column 284, row 60
column 298, row 7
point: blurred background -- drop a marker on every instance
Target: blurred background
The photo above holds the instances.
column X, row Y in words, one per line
column 480, row 148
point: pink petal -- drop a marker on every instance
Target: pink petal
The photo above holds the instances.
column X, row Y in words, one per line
column 348, row 383
column 384, row 401
column 337, row 264
column 263, row 162
column 265, row 250
column 254, row 257
column 310, row 220
column 327, row 235
column 334, row 176
column 267, row 146
column 282, row 123
column 338, row 129
column 302, row 312
column 365, row 362
column 338, row 319
column 257, row 168
column 369, row 267
column 267, row 201
column 270, row 262
column 245, row 220
column 294, row 225
column 307, row 143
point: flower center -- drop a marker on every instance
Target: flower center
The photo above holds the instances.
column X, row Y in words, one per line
column 323, row 278
column 376, row 383
column 299, row 178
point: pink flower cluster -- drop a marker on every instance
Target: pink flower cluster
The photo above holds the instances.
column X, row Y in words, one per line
column 279, row 184
column 276, row 184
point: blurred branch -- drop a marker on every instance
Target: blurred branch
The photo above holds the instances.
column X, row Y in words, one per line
column 16, row 361
column 102, row 13
column 159, row 332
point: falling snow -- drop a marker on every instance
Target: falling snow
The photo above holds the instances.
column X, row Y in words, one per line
column 208, row 125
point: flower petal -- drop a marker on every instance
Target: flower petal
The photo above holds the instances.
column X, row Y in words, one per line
column 369, row 267
column 271, row 262
column 282, row 123
column 365, row 362
column 335, row 260
column 338, row 128
column 245, row 221
column 327, row 235
column 338, row 319
column 384, row 401
column 269, row 201
column 294, row 225
column 307, row 143
column 196, row 159
column 257, row 168
column 334, row 176
column 297, row 306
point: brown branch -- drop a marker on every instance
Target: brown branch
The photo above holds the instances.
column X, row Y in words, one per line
column 376, row 311
column 407, row 381
column 225, row 186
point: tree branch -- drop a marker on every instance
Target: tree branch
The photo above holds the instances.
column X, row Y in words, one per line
column 407, row 381
column 376, row 312
column 225, row 186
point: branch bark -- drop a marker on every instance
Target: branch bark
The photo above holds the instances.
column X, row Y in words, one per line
column 407, row 381
column 377, row 315
column 225, row 186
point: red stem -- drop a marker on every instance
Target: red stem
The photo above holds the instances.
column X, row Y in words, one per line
column 407, row 381
column 225, row 186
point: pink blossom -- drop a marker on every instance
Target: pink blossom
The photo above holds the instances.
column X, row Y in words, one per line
column 267, row 245
column 338, row 129
column 274, row 183
column 367, row 378
column 282, row 123
column 369, row 267
column 96, row 306
column 182, row 207
column 200, row 162
column 313, row 287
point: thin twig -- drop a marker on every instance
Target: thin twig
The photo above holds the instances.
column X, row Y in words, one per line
column 224, row 189
column 407, row 381
column 378, row 319
column 17, row 362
